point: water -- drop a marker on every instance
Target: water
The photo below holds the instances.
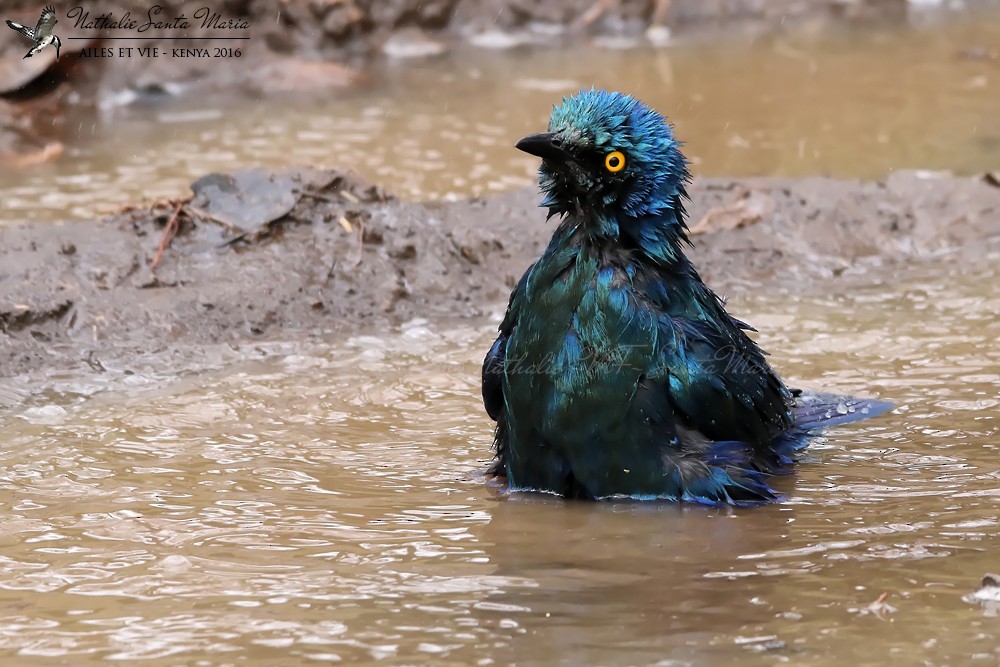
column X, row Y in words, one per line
column 852, row 104
column 322, row 502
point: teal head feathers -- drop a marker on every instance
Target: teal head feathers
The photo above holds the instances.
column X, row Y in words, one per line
column 608, row 152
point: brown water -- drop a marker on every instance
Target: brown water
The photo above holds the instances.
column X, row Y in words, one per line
column 849, row 105
column 322, row 502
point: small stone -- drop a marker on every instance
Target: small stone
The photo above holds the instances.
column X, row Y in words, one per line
column 412, row 43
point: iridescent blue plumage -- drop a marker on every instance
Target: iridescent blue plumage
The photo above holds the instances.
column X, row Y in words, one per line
column 617, row 371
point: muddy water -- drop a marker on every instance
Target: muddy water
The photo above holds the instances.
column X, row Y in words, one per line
column 321, row 502
column 849, row 105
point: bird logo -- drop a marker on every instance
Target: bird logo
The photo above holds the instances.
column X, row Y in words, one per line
column 41, row 34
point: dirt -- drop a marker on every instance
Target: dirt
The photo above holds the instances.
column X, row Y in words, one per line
column 341, row 256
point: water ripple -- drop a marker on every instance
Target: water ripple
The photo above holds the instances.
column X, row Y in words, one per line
column 325, row 502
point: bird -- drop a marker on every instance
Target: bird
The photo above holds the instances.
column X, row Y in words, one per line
column 617, row 372
column 42, row 34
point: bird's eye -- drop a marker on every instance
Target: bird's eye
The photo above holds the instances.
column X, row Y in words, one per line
column 614, row 161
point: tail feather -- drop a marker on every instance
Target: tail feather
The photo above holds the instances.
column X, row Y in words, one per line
column 814, row 411
column 729, row 472
column 715, row 484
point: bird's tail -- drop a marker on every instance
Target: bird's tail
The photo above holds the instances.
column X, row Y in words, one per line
column 814, row 411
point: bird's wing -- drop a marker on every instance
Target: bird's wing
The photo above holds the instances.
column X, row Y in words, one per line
column 23, row 29
column 718, row 381
column 716, row 406
column 46, row 21
column 494, row 367
column 493, row 364
column 493, row 377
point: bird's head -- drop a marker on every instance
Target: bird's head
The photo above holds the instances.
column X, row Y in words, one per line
column 608, row 155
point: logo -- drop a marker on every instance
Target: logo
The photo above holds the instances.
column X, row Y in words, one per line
column 42, row 34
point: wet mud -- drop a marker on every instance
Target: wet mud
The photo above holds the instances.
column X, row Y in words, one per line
column 305, row 253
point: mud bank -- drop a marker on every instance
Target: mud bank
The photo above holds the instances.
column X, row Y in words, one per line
column 319, row 254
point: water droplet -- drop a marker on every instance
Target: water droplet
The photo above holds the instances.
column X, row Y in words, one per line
column 841, row 408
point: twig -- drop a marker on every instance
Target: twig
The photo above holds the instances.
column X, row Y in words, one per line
column 316, row 195
column 660, row 11
column 594, row 13
column 344, row 194
column 361, row 243
column 169, row 232
column 201, row 213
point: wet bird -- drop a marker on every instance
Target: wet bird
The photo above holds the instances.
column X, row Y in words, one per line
column 617, row 371
column 42, row 34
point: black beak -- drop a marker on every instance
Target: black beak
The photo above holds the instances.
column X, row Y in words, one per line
column 548, row 146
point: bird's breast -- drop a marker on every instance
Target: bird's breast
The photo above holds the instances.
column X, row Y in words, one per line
column 580, row 346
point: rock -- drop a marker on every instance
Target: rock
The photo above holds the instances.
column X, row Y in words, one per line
column 988, row 595
column 289, row 74
column 412, row 43
column 245, row 200
column 499, row 40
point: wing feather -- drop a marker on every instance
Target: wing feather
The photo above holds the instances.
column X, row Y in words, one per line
column 23, row 29
column 719, row 383
column 46, row 21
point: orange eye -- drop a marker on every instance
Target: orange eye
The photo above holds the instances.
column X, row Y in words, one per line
column 614, row 161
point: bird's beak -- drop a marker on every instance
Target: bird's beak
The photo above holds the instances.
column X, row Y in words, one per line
column 547, row 145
